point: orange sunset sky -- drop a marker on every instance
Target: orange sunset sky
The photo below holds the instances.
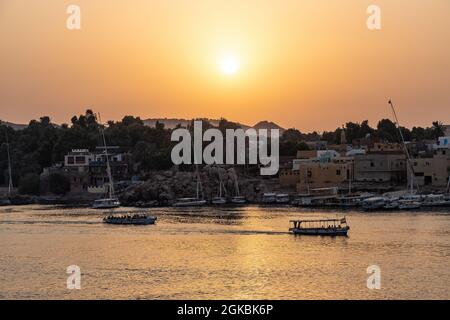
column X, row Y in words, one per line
column 309, row 64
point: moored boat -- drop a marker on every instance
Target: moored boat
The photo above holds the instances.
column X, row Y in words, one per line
column 408, row 204
column 391, row 204
column 218, row 200
column 282, row 198
column 189, row 202
column 268, row 198
column 374, row 203
column 192, row 202
column 435, row 200
column 5, row 202
column 112, row 201
column 320, row 227
column 238, row 200
column 107, row 203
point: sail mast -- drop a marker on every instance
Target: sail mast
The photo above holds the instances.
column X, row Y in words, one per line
column 10, row 183
column 408, row 158
column 108, row 167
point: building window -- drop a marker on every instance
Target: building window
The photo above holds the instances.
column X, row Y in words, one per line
column 338, row 172
column 70, row 160
column 80, row 160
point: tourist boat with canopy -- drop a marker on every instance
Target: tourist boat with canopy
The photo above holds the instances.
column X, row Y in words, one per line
column 129, row 218
column 320, row 227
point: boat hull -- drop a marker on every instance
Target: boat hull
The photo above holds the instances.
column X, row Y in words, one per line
column 106, row 204
column 118, row 221
column 319, row 231
column 190, row 203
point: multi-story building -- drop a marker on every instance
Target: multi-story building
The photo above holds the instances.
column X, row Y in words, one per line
column 87, row 169
column 432, row 171
column 380, row 167
column 317, row 169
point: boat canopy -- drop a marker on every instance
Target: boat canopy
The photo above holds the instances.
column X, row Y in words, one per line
column 343, row 220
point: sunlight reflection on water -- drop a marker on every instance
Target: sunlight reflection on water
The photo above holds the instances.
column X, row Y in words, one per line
column 221, row 253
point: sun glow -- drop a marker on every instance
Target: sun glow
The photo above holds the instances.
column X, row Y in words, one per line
column 229, row 64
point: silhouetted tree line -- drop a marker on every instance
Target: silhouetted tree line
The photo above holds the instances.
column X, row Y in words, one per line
column 43, row 143
column 386, row 130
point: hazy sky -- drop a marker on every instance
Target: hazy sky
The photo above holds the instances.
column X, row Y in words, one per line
column 308, row 64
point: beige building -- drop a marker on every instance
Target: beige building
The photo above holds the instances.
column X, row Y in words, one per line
column 315, row 173
column 317, row 169
column 433, row 171
column 288, row 177
column 386, row 147
column 380, row 167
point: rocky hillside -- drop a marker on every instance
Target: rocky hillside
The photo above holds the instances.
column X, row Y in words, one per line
column 164, row 187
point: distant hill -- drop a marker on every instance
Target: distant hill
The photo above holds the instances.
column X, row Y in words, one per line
column 268, row 125
column 171, row 123
column 15, row 126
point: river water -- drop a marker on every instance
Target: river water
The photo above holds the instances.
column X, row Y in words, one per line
column 222, row 253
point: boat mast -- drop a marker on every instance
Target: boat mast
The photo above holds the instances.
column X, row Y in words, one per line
column 408, row 158
column 199, row 183
column 108, row 167
column 10, row 183
column 306, row 179
column 448, row 185
column 236, row 183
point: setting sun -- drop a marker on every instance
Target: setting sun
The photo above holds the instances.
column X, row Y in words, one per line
column 229, row 64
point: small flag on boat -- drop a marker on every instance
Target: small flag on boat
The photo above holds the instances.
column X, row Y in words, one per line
column 343, row 220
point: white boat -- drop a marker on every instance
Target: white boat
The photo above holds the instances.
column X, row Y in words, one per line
column 111, row 201
column 238, row 200
column 130, row 219
column 282, row 198
column 374, row 203
column 391, row 204
column 189, row 202
column 318, row 197
column 435, row 200
column 350, row 201
column 107, row 203
column 192, row 202
column 320, row 227
column 219, row 199
column 408, row 204
column 5, row 202
column 269, row 198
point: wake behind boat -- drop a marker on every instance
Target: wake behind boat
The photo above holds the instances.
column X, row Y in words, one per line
column 322, row 227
